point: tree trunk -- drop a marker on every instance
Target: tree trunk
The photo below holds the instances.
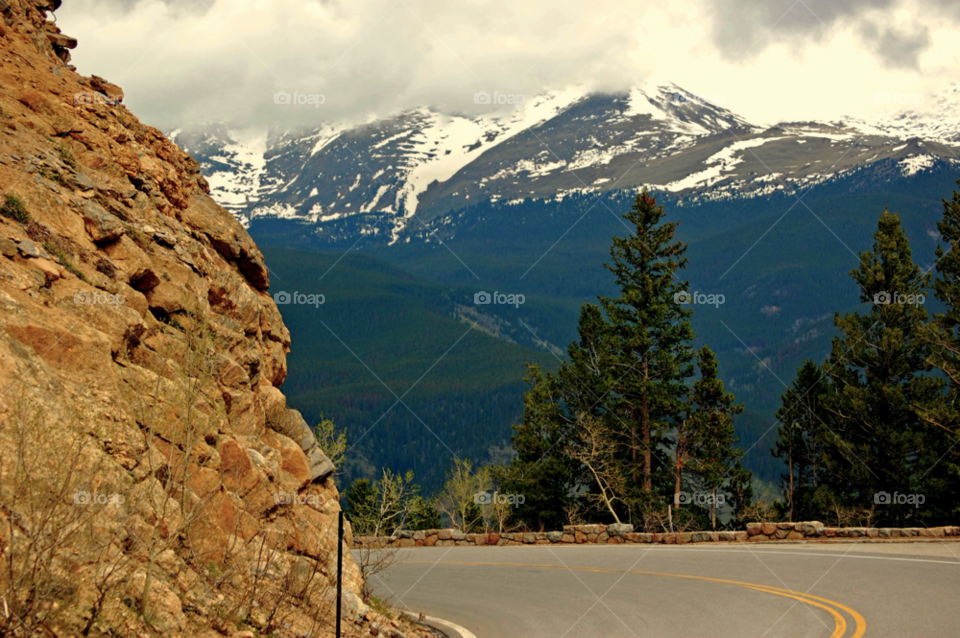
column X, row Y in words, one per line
column 645, row 430
column 790, row 469
column 678, row 470
column 713, row 509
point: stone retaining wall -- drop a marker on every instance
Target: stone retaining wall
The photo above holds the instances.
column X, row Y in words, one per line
column 618, row 534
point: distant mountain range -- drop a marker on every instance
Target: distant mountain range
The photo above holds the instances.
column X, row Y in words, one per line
column 526, row 202
column 371, row 180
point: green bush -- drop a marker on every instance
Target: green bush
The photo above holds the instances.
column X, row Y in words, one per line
column 14, row 208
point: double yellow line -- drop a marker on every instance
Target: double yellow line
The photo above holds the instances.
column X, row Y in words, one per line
column 830, row 606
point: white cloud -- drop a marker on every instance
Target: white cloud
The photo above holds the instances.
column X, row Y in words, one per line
column 182, row 62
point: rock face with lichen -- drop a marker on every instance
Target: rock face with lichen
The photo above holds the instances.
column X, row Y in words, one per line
column 147, row 454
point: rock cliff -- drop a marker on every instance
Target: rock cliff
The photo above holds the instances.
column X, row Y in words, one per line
column 152, row 478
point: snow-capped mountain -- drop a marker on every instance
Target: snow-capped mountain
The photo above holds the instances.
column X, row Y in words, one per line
column 422, row 164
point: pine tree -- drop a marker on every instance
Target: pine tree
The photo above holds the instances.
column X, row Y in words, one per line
column 944, row 338
column 800, row 441
column 541, row 472
column 650, row 337
column 878, row 369
column 710, row 433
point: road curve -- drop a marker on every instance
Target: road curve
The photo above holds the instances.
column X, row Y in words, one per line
column 736, row 590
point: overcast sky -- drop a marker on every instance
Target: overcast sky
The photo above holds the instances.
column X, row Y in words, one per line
column 181, row 62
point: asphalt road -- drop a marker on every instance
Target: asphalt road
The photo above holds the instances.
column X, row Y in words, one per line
column 736, row 590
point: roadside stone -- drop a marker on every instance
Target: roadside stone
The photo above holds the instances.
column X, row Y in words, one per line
column 457, row 535
column 728, row 536
column 555, row 537
column 445, row 534
column 794, row 535
column 700, row 537
column 529, row 538
column 768, row 529
column 568, row 538
column 618, row 529
column 754, row 528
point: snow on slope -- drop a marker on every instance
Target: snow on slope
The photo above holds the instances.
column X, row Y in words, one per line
column 722, row 162
column 449, row 141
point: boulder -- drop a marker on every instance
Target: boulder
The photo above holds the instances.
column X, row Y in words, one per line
column 619, row 528
column 63, row 41
column 8, row 248
column 80, row 182
column 164, row 611
column 554, row 537
column 33, row 250
column 101, row 225
column 291, row 424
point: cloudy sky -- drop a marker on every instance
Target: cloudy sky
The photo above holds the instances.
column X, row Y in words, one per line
column 182, row 62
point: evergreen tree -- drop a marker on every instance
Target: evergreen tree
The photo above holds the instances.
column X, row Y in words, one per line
column 541, row 472
column 710, row 434
column 878, row 371
column 943, row 478
column 649, row 337
column 362, row 506
column 800, row 442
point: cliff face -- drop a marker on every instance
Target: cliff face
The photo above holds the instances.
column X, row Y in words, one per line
column 152, row 478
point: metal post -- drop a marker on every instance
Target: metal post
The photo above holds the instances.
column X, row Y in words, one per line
column 339, row 568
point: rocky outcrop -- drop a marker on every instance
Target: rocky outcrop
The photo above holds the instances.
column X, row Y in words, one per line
column 619, row 534
column 141, row 358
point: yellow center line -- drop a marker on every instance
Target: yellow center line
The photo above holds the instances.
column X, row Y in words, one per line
column 808, row 599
